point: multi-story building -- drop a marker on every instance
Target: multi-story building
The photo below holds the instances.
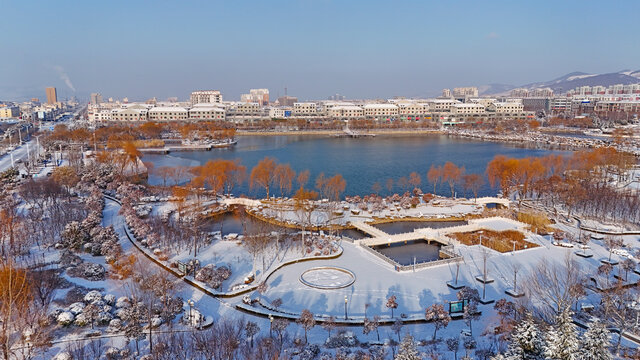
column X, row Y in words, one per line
column 206, row 96
column 206, row 113
column 412, row 109
column 52, row 95
column 165, row 113
column 467, row 109
column 305, row 109
column 260, row 96
column 520, row 93
column 506, row 108
column 536, row 104
column 345, row 112
column 380, row 110
column 446, row 93
column 96, row 99
column 9, row 111
column 541, row 92
column 441, row 105
column 461, row 92
column 560, row 104
column 280, row 112
column 287, row 100
column 130, row 113
column 628, row 106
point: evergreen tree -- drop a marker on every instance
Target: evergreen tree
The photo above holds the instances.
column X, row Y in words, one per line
column 408, row 349
column 526, row 341
column 596, row 342
column 562, row 341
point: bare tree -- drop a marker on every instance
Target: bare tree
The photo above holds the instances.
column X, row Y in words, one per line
column 329, row 324
column 392, row 304
column 251, row 329
column 307, row 321
column 556, row 286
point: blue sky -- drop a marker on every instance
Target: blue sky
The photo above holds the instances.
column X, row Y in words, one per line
column 361, row 49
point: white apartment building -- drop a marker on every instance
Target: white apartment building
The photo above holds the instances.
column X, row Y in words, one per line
column 9, row 111
column 305, row 109
column 561, row 104
column 483, row 101
column 467, row 109
column 260, row 96
column 100, row 115
column 412, row 108
column 206, row 113
column 441, row 105
column 163, row 113
column 206, row 96
column 506, row 107
column 280, row 112
column 345, row 112
column 244, row 111
column 132, row 113
column 471, row 91
column 376, row 110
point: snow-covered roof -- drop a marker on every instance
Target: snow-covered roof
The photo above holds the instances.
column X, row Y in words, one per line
column 347, row 107
column 468, row 105
column 380, row 106
column 168, row 109
column 202, row 108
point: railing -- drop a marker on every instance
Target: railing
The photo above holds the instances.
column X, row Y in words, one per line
column 447, row 250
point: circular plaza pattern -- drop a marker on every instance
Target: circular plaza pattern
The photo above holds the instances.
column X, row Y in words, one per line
column 328, row 277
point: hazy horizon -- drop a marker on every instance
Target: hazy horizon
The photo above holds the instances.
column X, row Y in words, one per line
column 360, row 49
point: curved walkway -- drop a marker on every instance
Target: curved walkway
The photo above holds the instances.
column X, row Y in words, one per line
column 205, row 289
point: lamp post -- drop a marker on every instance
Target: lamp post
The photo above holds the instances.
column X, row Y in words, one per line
column 480, row 232
column 484, row 283
column 345, row 307
column 190, row 302
column 270, row 326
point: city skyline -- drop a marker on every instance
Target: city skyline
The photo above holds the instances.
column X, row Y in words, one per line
column 314, row 48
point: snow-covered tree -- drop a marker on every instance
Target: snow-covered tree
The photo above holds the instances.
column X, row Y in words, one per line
column 439, row 316
column 527, row 341
column 596, row 342
column 452, row 345
column 134, row 317
column 408, row 349
column 307, row 321
column 562, row 341
column 392, row 303
column 251, row 329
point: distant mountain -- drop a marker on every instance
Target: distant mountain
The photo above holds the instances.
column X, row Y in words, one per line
column 568, row 82
column 495, row 89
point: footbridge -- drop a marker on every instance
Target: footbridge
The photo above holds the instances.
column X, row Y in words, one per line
column 493, row 200
column 241, row 201
column 380, row 237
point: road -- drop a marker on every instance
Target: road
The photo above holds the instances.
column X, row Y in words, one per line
column 20, row 153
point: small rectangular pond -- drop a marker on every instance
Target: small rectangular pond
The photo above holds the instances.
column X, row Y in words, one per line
column 417, row 251
column 400, row 227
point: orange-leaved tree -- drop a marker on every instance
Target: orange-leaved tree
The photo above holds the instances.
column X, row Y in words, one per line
column 434, row 175
column 263, row 174
column 452, row 175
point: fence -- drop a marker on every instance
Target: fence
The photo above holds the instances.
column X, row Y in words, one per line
column 447, row 250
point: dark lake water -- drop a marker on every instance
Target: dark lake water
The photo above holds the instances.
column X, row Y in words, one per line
column 362, row 162
column 401, row 227
column 405, row 254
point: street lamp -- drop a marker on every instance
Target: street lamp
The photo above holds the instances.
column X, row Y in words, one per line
column 270, row 325
column 345, row 307
column 480, row 233
column 191, row 304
